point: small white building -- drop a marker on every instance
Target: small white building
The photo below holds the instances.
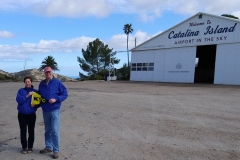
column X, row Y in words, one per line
column 204, row 48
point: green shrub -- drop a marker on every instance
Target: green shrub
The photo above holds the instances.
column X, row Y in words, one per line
column 4, row 77
column 95, row 77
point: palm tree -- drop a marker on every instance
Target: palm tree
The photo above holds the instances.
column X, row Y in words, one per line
column 49, row 61
column 128, row 29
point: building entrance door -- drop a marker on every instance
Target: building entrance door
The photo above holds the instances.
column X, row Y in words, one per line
column 205, row 64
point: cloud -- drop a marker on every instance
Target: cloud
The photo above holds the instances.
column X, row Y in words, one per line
column 74, row 8
column 186, row 7
column 25, row 50
column 6, row 34
column 236, row 13
column 145, row 10
column 221, row 6
column 149, row 10
column 17, row 5
column 119, row 42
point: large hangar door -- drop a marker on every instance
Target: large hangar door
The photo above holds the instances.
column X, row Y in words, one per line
column 205, row 64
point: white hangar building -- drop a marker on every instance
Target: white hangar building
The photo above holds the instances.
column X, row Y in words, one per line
column 204, row 48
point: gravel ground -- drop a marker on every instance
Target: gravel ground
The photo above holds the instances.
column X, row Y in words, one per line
column 133, row 121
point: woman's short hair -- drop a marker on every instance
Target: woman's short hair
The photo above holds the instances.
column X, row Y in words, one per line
column 27, row 77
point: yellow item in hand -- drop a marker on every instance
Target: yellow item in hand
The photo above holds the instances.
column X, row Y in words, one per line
column 36, row 98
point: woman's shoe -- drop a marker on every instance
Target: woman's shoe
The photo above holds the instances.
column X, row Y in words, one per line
column 24, row 151
column 30, row 150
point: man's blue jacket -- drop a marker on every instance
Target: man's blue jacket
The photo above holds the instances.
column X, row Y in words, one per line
column 53, row 89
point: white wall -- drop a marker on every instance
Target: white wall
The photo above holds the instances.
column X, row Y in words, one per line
column 183, row 57
column 165, row 65
column 142, row 57
column 227, row 66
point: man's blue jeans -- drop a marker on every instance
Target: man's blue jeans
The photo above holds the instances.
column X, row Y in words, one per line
column 52, row 137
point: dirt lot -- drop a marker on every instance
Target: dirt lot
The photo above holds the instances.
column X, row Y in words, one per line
column 133, row 121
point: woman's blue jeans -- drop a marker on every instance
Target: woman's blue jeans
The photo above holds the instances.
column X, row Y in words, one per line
column 52, row 137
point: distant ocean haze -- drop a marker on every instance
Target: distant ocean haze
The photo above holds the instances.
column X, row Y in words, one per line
column 74, row 77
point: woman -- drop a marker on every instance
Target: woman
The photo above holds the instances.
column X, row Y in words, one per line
column 26, row 115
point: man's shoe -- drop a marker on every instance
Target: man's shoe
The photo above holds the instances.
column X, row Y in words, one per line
column 30, row 150
column 55, row 155
column 45, row 150
column 24, row 151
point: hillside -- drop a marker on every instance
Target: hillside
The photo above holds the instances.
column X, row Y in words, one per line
column 35, row 73
column 5, row 76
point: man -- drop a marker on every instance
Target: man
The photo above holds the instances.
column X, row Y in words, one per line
column 53, row 92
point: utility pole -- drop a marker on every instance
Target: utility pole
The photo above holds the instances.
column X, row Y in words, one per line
column 135, row 41
column 25, row 63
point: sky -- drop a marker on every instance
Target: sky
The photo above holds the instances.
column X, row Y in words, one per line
column 31, row 30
